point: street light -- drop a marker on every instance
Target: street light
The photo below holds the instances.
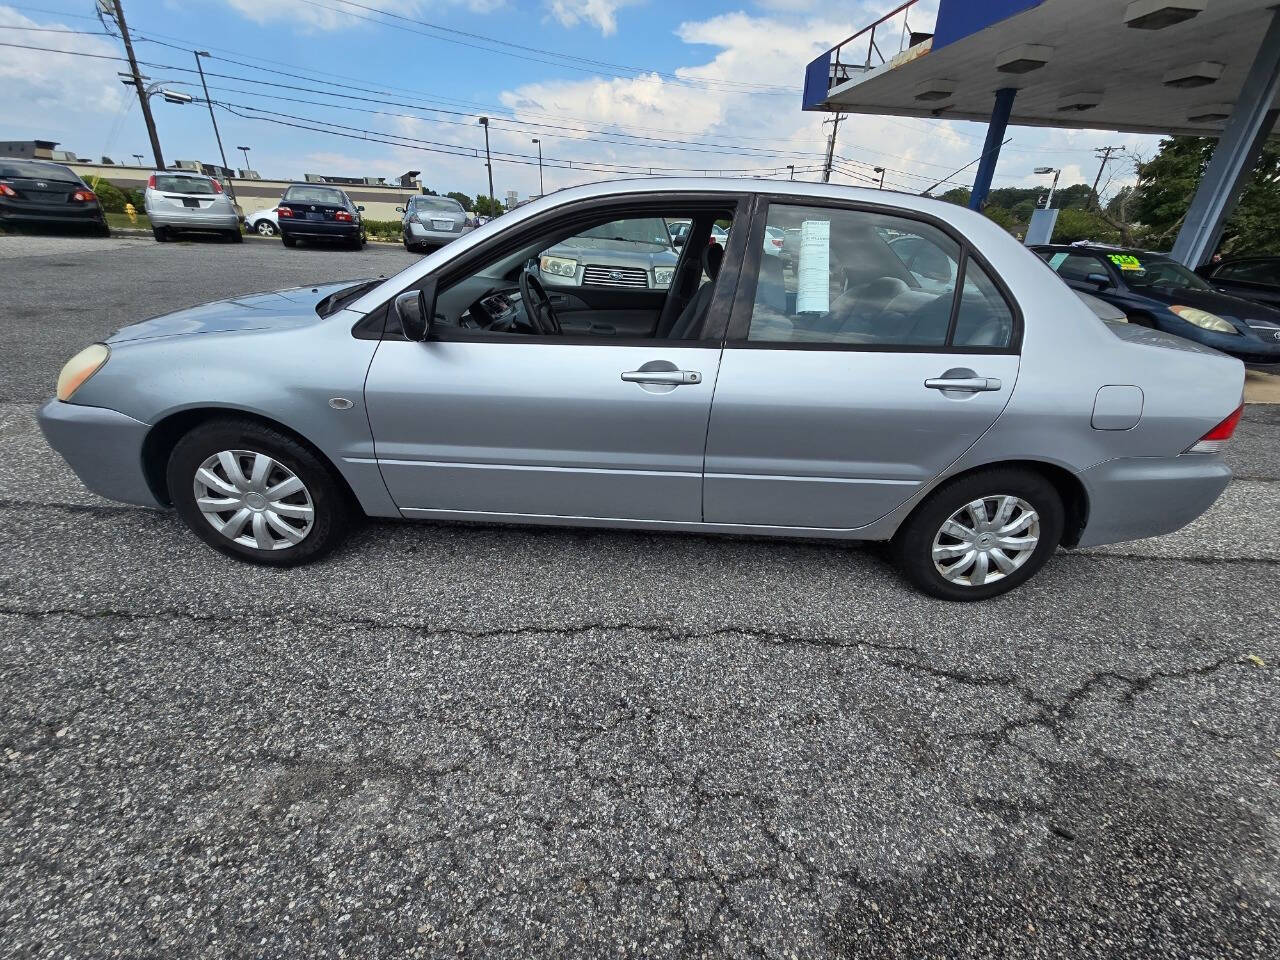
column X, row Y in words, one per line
column 1044, row 172
column 245, row 151
column 138, row 157
column 216, row 135
column 792, row 168
column 488, row 163
column 880, row 170
column 541, row 189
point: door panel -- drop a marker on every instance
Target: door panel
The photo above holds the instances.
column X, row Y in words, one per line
column 837, row 439
column 614, row 313
column 540, row 428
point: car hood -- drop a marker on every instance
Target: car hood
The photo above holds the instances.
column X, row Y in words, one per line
column 1222, row 304
column 280, row 308
column 615, row 253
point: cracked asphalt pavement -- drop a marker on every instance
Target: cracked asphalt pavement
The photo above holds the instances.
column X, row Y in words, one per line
column 507, row 741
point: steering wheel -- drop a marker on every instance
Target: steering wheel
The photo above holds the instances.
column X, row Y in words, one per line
column 537, row 305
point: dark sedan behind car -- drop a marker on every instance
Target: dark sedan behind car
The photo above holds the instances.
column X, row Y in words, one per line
column 1254, row 278
column 40, row 192
column 1156, row 291
column 313, row 212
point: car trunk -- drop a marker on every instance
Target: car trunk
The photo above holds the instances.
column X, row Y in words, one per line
column 321, row 212
column 184, row 193
column 41, row 193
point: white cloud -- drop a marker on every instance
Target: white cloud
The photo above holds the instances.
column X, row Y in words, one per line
column 52, row 96
column 602, row 13
column 334, row 15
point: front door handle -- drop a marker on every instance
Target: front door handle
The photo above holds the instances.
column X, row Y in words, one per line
column 963, row 384
column 672, row 377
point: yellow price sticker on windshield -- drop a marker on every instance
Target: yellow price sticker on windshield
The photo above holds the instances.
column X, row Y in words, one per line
column 1125, row 261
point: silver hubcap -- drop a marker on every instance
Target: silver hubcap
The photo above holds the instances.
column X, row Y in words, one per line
column 986, row 540
column 254, row 500
column 265, row 228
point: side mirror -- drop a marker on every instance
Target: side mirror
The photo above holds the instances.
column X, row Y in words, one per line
column 361, row 209
column 1099, row 280
column 398, row 209
column 415, row 314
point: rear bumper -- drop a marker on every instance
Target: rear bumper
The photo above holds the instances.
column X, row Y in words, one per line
column 103, row 447
column 318, row 229
column 194, row 221
column 418, row 233
column 62, row 213
column 1141, row 497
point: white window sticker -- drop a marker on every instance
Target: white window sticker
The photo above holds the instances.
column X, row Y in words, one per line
column 813, row 277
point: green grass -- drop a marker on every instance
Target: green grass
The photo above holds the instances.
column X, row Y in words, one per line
column 122, row 221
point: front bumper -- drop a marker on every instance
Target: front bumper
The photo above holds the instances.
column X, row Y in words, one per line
column 1138, row 497
column 103, row 447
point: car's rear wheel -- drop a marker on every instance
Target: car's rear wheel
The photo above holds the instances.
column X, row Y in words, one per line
column 981, row 535
column 288, row 241
column 102, row 229
column 160, row 233
column 257, row 494
column 235, row 236
column 265, row 228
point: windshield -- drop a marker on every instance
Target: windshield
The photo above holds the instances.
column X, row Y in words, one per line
column 651, row 230
column 314, row 195
column 436, row 203
column 35, row 171
column 1146, row 270
column 179, row 184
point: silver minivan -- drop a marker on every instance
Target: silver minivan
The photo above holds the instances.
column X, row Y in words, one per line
column 176, row 200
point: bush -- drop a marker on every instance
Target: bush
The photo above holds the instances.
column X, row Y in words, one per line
column 110, row 196
column 383, row 229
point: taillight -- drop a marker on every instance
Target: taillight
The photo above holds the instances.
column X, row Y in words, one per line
column 283, row 212
column 151, row 182
column 343, row 216
column 84, row 196
column 7, row 191
column 217, row 187
column 1216, row 439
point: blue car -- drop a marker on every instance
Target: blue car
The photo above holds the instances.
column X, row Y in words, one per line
column 1156, row 291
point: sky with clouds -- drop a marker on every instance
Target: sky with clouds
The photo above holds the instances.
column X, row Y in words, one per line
column 379, row 87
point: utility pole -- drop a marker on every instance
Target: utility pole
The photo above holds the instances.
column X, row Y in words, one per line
column 831, row 146
column 541, row 189
column 1103, row 154
column 231, row 189
column 488, row 163
column 143, row 100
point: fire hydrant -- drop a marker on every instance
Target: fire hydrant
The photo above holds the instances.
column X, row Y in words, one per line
column 131, row 212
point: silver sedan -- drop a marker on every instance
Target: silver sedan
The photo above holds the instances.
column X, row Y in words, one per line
column 975, row 422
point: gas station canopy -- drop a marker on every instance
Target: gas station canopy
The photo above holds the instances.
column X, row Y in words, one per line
column 1150, row 66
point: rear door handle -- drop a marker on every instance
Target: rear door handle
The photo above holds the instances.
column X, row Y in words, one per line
column 963, row 384
column 673, row 377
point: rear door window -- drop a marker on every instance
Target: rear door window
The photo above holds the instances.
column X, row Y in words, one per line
column 867, row 279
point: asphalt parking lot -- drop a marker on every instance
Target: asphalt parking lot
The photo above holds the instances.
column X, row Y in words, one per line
column 502, row 741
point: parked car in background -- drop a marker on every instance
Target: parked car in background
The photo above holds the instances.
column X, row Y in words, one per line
column 635, row 253
column 975, row 429
column 774, row 238
column 40, row 192
column 177, row 201
column 1253, row 278
column 264, row 222
column 679, row 232
column 309, row 212
column 1155, row 291
column 432, row 221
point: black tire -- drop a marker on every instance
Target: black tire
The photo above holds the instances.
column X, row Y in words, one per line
column 102, row 229
column 288, row 241
column 235, row 236
column 913, row 545
column 332, row 510
column 160, row 233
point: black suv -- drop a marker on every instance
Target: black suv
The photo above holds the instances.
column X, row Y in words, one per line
column 313, row 211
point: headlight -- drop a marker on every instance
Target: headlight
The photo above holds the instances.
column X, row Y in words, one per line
column 80, row 368
column 662, row 276
column 558, row 266
column 1204, row 319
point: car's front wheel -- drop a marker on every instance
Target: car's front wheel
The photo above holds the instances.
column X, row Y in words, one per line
column 256, row 493
column 981, row 535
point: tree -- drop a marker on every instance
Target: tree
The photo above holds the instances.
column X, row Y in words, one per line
column 462, row 198
column 487, row 209
column 1168, row 181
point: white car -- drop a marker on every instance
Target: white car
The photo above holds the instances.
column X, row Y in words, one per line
column 264, row 222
